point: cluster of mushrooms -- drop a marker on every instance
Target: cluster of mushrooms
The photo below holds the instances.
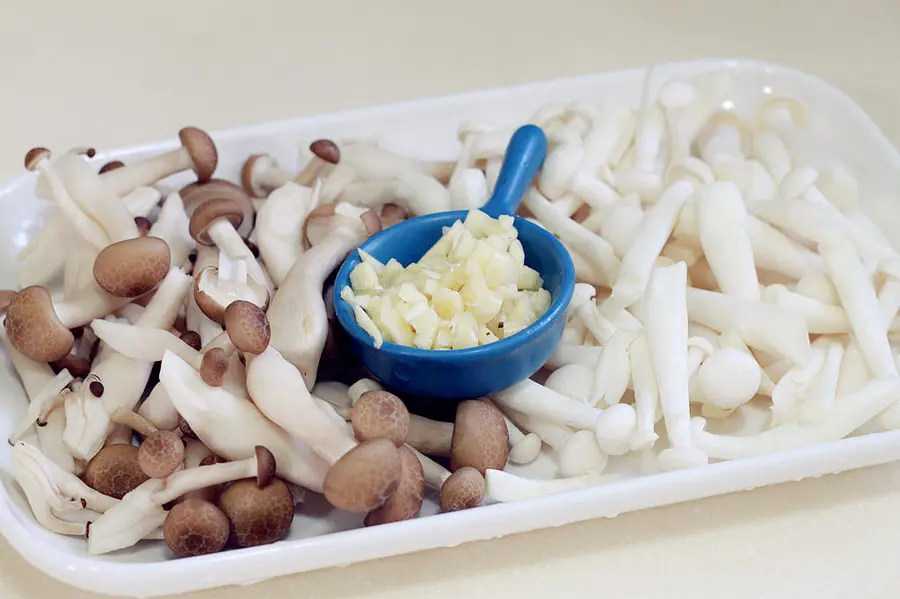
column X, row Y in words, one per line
column 187, row 380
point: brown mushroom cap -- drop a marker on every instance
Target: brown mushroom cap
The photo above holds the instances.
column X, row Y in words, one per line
column 34, row 156
column 247, row 327
column 132, row 267
column 463, row 490
column 195, row 195
column 326, row 150
column 480, row 437
column 214, row 295
column 77, row 366
column 161, row 454
column 33, row 327
column 380, row 415
column 201, row 149
column 115, row 471
column 213, row 366
column 192, row 339
column 258, row 515
column 207, row 214
column 250, row 171
column 365, row 478
column 406, row 501
column 143, row 225
column 196, row 527
column 265, row 466
column 111, row 166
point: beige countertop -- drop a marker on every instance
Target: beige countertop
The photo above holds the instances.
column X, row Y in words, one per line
column 121, row 73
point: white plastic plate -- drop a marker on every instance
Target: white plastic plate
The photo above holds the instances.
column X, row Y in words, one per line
column 322, row 538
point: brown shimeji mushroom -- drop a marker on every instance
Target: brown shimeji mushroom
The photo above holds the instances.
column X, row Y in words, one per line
column 132, row 267
column 259, row 515
column 196, row 527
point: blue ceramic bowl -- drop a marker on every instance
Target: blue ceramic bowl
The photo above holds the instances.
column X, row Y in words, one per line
column 484, row 370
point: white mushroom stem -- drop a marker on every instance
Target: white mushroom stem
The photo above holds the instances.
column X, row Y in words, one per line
column 613, row 370
column 534, row 399
column 848, row 414
column 122, row 379
column 281, row 394
column 172, row 226
column 96, row 198
column 431, row 437
column 792, row 387
column 591, row 247
column 159, row 410
column 35, row 376
column 335, row 393
column 763, row 326
column 504, row 487
column 649, row 241
column 279, row 226
column 822, row 391
column 355, row 391
column 821, row 318
column 581, row 455
column 618, row 223
column 297, row 311
column 889, row 300
column 76, row 215
column 666, row 319
column 67, row 490
column 646, row 393
column 434, row 474
column 553, row 434
column 195, row 319
column 232, row 427
column 573, row 380
column 854, row 372
column 769, row 149
column 524, row 448
column 707, row 100
column 42, row 403
column 225, row 236
column 860, row 303
column 567, row 353
column 78, row 268
column 373, row 162
column 723, row 235
column 645, row 179
column 140, row 512
column 43, row 496
column 417, row 193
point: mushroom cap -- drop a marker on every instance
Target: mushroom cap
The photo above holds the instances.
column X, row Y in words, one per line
column 110, row 166
column 192, row 339
column 258, row 515
column 132, row 267
column 250, row 171
column 326, row 150
column 365, row 478
column 201, row 149
column 380, row 415
column 265, row 466
column 480, row 437
column 161, row 454
column 213, row 366
column 196, row 527
column 213, row 295
column 207, row 214
column 143, row 225
column 33, row 327
column 76, row 365
column 247, row 327
column 35, row 156
column 115, row 470
column 406, row 501
column 463, row 490
column 196, row 194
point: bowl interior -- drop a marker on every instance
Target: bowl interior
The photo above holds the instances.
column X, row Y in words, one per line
column 408, row 241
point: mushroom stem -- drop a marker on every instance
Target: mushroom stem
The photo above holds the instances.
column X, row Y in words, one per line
column 197, row 153
column 159, row 410
column 297, row 311
column 646, row 393
column 279, row 224
column 848, row 413
column 42, row 403
column 231, row 426
column 534, row 399
column 666, row 318
column 724, row 237
column 524, row 448
column 553, row 434
column 430, row 436
column 504, row 487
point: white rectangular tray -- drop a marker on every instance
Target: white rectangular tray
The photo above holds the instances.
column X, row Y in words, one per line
column 321, row 538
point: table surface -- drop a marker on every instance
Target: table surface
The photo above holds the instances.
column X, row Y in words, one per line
column 119, row 73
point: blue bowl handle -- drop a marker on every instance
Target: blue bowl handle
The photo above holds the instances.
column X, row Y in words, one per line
column 524, row 157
